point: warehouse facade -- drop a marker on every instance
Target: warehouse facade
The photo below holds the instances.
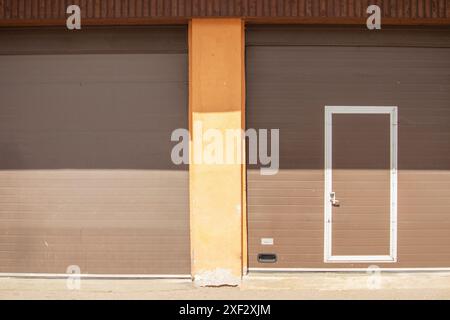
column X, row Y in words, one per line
column 87, row 180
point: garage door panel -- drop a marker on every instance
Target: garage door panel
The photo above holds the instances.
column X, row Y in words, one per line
column 86, row 176
column 293, row 72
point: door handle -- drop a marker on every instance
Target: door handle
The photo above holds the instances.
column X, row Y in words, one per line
column 333, row 200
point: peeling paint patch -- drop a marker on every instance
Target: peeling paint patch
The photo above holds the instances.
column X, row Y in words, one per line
column 216, row 278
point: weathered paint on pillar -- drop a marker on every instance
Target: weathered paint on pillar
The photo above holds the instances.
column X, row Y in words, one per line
column 216, row 65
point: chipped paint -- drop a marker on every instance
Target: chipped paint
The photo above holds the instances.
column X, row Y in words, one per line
column 216, row 278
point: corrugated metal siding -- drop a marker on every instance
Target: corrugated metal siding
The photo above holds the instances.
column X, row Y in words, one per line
column 172, row 9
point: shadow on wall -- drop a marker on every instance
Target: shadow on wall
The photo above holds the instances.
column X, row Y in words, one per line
column 288, row 88
column 96, row 110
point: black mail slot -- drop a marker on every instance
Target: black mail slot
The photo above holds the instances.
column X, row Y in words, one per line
column 267, row 257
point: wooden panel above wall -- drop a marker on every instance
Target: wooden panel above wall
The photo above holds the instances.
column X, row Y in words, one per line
column 111, row 12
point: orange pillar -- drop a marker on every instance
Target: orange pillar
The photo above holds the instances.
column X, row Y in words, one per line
column 216, row 68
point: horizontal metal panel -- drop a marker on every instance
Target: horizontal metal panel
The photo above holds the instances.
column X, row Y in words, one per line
column 294, row 35
column 158, row 39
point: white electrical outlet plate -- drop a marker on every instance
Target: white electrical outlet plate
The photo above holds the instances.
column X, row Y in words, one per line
column 267, row 241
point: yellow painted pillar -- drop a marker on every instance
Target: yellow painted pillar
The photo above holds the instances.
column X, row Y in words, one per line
column 216, row 71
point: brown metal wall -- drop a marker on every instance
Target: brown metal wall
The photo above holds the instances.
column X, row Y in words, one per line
column 292, row 73
column 175, row 9
column 86, row 176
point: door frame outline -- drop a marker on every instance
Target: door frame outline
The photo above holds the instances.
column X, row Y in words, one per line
column 329, row 111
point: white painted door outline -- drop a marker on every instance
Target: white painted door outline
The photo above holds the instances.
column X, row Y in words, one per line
column 328, row 196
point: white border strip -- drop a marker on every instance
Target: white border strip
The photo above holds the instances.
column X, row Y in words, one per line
column 328, row 219
column 95, row 276
column 280, row 270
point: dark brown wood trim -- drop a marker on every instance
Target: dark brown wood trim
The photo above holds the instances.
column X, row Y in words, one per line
column 350, row 21
column 91, row 22
column 148, row 12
